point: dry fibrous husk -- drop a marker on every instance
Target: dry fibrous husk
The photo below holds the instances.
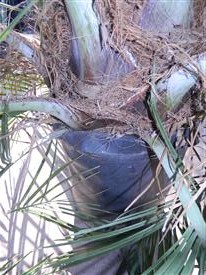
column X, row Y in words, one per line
column 55, row 33
column 120, row 30
column 153, row 55
column 14, row 61
column 119, row 100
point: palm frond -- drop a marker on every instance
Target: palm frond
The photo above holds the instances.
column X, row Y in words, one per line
column 11, row 264
column 176, row 174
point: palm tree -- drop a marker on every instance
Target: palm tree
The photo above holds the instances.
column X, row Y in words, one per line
column 129, row 75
